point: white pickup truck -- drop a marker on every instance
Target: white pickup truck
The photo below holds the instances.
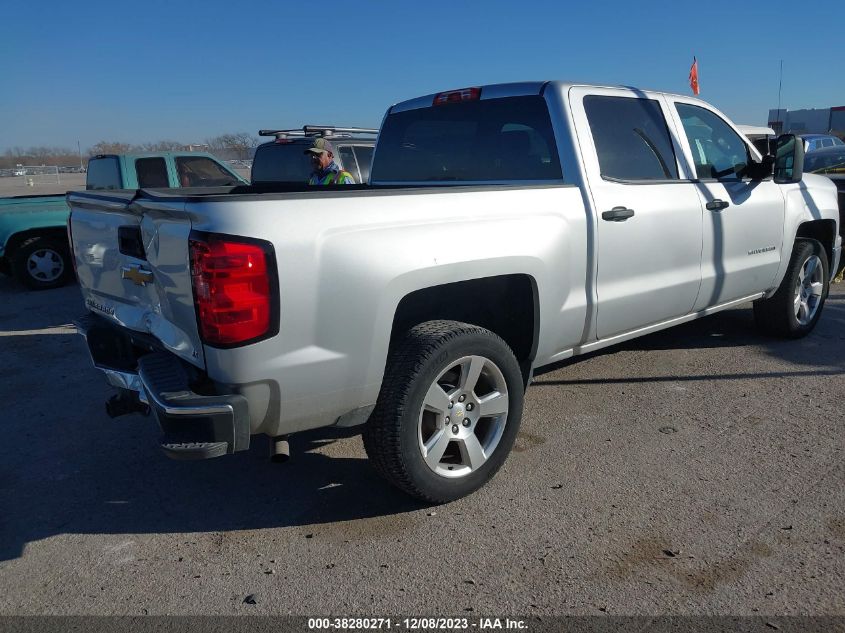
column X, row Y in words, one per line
column 504, row 228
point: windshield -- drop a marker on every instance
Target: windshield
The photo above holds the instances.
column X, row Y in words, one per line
column 281, row 162
column 489, row 140
column 826, row 162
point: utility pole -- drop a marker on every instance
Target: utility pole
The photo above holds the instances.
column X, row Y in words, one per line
column 79, row 151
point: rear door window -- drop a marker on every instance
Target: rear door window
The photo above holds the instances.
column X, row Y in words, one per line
column 152, row 173
column 347, row 159
column 631, row 138
column 502, row 139
column 364, row 154
column 103, row 174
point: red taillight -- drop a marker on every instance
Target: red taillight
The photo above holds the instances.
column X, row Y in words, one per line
column 456, row 96
column 234, row 289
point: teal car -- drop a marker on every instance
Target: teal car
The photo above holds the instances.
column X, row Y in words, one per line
column 33, row 233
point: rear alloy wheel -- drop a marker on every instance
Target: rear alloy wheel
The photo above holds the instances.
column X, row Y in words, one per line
column 463, row 417
column 795, row 308
column 448, row 411
column 41, row 263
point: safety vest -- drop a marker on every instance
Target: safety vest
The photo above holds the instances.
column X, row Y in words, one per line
column 339, row 177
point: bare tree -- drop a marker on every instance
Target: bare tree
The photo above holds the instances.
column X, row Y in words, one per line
column 215, row 144
column 163, row 146
column 38, row 156
column 110, row 147
column 233, row 146
column 226, row 146
column 244, row 144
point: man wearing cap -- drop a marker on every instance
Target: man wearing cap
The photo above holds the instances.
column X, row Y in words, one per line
column 326, row 171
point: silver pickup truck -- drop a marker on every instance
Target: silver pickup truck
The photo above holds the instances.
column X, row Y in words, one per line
column 504, row 228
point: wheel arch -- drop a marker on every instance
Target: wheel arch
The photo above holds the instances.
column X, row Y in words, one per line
column 823, row 231
column 479, row 302
column 17, row 239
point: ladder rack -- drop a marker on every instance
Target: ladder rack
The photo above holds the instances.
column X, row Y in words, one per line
column 325, row 131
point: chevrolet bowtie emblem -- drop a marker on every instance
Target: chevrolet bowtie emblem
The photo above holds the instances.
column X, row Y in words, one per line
column 136, row 275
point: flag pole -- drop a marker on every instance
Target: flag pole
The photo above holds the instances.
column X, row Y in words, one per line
column 780, row 86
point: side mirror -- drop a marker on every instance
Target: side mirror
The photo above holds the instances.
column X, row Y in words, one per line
column 789, row 159
column 758, row 171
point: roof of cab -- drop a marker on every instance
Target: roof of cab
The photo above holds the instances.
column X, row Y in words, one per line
column 518, row 89
column 133, row 155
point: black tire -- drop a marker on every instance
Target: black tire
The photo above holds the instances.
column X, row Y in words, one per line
column 392, row 434
column 50, row 251
column 776, row 315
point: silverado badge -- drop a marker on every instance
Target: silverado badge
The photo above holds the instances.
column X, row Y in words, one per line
column 136, row 275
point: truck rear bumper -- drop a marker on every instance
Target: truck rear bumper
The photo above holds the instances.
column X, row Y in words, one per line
column 195, row 426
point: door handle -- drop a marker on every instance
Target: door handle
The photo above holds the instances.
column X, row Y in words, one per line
column 717, row 205
column 617, row 214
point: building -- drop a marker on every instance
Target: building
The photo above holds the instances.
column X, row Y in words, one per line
column 812, row 121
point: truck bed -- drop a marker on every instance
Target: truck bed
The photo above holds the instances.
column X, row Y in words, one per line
column 350, row 253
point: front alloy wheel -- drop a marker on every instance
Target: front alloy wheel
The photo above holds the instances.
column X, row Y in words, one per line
column 809, row 290
column 796, row 306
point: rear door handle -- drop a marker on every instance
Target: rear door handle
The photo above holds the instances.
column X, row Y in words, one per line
column 717, row 205
column 617, row 214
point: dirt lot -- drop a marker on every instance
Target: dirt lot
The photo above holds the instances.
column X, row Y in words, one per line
column 18, row 186
column 695, row 471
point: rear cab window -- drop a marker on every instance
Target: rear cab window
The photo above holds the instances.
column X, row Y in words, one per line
column 494, row 140
column 104, row 174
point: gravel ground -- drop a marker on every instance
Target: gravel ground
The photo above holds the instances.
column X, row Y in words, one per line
column 695, row 471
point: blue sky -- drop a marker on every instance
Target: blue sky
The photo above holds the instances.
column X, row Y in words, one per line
column 152, row 70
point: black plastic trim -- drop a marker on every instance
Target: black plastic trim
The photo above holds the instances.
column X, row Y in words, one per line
column 130, row 243
column 36, row 195
column 729, row 180
column 660, row 181
column 187, row 417
column 286, row 192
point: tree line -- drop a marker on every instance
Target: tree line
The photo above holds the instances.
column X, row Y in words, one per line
column 237, row 146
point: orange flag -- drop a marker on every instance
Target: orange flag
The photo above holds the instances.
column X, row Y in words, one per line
column 693, row 76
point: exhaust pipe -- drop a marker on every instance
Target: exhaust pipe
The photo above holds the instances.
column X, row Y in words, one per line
column 124, row 404
column 280, row 449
